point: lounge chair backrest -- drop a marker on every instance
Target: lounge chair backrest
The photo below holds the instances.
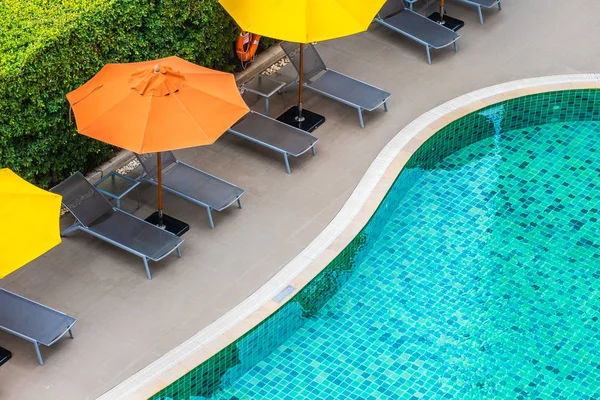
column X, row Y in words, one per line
column 84, row 201
column 390, row 8
column 313, row 64
column 150, row 165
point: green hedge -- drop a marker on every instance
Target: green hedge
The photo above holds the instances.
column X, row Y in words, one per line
column 50, row 47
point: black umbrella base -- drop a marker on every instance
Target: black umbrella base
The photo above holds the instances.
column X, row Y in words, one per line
column 311, row 120
column 5, row 355
column 172, row 225
column 449, row 22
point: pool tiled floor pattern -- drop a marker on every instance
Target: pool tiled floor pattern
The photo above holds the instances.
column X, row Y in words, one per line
column 126, row 322
column 483, row 285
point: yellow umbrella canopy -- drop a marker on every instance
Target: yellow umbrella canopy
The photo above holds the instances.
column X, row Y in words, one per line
column 30, row 221
column 303, row 21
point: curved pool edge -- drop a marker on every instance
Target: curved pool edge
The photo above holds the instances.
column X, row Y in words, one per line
column 356, row 212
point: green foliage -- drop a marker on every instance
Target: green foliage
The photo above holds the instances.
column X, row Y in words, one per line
column 50, row 47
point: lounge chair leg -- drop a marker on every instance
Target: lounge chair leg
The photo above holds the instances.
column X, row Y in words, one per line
column 456, row 46
column 239, row 202
column 148, row 274
column 313, row 150
column 287, row 163
column 178, row 253
column 70, row 229
column 37, row 350
column 480, row 15
column 71, row 334
column 428, row 54
column 210, row 220
column 385, row 106
column 360, row 118
column 267, row 106
column 500, row 6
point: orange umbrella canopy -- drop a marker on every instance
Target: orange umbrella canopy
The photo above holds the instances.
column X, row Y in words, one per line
column 160, row 105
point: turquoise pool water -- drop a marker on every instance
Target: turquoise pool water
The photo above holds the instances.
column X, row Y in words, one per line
column 481, row 282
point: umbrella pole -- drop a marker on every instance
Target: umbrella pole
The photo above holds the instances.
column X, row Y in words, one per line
column 442, row 22
column 160, row 206
column 300, row 118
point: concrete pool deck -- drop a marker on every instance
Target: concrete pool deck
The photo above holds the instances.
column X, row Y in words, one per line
column 126, row 322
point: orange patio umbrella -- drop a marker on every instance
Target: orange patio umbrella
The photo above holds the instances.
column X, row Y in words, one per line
column 155, row 106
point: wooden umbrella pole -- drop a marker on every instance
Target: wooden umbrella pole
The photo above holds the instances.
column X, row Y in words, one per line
column 300, row 118
column 160, row 206
column 442, row 12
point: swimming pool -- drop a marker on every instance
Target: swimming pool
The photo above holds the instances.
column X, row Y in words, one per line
column 476, row 278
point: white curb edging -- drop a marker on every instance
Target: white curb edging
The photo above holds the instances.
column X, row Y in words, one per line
column 148, row 378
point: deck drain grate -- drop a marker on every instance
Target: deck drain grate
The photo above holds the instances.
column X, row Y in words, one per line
column 284, row 293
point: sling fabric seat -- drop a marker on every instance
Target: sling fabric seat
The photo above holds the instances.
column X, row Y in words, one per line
column 275, row 135
column 33, row 321
column 95, row 215
column 395, row 16
column 483, row 4
column 333, row 84
column 190, row 183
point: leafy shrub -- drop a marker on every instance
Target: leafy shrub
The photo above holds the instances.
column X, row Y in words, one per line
column 50, row 47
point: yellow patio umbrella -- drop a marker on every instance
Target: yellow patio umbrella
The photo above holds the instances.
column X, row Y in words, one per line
column 442, row 18
column 30, row 221
column 303, row 21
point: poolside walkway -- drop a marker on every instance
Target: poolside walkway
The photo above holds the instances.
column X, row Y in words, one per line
column 126, row 322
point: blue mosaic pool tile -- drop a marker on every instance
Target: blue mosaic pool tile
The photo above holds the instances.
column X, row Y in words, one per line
column 477, row 278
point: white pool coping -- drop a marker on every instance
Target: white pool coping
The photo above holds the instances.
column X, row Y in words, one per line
column 355, row 213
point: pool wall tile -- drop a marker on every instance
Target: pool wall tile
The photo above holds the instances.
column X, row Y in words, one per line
column 235, row 360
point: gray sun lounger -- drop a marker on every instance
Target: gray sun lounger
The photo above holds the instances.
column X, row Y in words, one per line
column 337, row 86
column 483, row 4
column 95, row 215
column 33, row 321
column 476, row 3
column 275, row 135
column 410, row 3
column 190, row 183
column 395, row 16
